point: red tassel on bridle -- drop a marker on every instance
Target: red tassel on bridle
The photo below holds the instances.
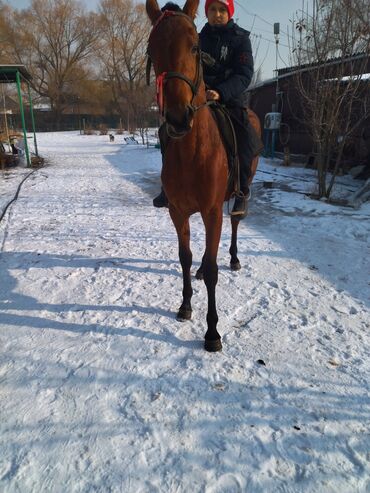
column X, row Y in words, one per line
column 160, row 83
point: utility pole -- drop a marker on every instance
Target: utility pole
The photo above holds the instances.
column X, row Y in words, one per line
column 273, row 119
column 276, row 34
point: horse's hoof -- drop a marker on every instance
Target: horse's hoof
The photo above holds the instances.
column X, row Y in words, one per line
column 183, row 315
column 199, row 275
column 235, row 265
column 213, row 346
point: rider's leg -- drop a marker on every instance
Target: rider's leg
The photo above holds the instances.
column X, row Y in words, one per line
column 249, row 146
column 245, row 153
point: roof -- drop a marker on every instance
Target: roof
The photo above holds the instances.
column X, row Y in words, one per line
column 349, row 61
column 261, row 83
column 8, row 73
column 287, row 72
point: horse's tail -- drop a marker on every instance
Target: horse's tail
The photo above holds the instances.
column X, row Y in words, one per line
column 255, row 121
column 256, row 124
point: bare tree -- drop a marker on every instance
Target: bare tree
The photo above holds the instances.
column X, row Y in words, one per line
column 5, row 47
column 331, row 50
column 54, row 39
column 122, row 52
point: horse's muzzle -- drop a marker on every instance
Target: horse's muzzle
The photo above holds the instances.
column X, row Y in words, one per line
column 179, row 123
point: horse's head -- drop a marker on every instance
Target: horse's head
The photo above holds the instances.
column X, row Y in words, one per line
column 174, row 51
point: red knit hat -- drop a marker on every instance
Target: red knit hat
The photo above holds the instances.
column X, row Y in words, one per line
column 229, row 4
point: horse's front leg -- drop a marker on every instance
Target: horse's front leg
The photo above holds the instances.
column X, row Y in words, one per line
column 213, row 225
column 183, row 234
column 234, row 261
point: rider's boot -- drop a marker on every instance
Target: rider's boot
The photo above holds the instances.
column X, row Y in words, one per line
column 161, row 200
column 240, row 207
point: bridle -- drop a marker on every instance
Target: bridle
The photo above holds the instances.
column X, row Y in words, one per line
column 162, row 78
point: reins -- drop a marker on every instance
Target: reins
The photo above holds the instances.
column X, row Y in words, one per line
column 162, row 78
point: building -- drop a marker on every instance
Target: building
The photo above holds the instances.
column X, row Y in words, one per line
column 282, row 95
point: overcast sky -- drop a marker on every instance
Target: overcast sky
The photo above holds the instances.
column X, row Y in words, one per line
column 255, row 15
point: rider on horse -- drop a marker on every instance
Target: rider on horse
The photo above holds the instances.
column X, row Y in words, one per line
column 228, row 70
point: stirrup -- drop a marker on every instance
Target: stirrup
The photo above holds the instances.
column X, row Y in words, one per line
column 240, row 207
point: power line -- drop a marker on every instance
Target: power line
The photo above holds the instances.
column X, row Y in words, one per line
column 258, row 16
column 278, row 52
column 259, row 37
column 263, row 61
column 254, row 20
column 252, row 14
column 268, row 40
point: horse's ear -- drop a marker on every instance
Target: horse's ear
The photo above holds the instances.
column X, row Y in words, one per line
column 153, row 10
column 191, row 8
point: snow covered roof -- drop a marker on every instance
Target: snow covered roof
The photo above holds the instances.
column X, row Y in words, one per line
column 288, row 71
column 268, row 82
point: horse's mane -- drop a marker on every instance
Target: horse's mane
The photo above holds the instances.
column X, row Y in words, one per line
column 173, row 7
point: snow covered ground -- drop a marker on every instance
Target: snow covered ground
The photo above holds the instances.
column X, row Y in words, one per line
column 102, row 390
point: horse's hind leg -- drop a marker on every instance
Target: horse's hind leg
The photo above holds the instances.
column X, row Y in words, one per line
column 234, row 261
column 213, row 224
column 199, row 272
column 183, row 234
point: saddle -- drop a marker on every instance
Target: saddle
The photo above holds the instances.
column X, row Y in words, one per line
column 226, row 128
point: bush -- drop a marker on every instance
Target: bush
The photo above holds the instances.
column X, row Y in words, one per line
column 89, row 130
column 103, row 129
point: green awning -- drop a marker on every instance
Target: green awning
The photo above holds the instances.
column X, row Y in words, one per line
column 8, row 73
column 16, row 74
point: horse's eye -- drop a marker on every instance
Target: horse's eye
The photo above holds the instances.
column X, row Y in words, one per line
column 195, row 49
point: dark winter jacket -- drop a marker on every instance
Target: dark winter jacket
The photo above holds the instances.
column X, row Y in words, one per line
column 232, row 72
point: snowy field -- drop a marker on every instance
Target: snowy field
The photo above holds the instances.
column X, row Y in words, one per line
column 102, row 390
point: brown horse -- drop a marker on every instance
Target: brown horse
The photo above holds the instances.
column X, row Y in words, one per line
column 195, row 169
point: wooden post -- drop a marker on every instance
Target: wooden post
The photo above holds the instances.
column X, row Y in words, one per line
column 18, row 79
column 32, row 119
column 286, row 156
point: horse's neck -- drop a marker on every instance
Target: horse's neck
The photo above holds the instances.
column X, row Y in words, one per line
column 203, row 142
column 204, row 124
